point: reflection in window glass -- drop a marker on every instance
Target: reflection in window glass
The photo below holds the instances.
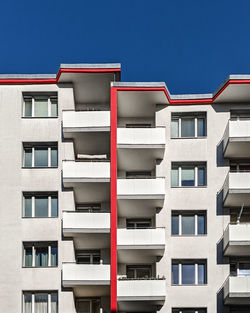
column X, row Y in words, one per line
column 188, row 274
column 175, row 225
column 41, row 157
column 201, row 127
column 201, row 224
column 54, row 157
column 188, row 225
column 201, row 274
column 28, row 257
column 175, row 274
column 41, row 107
column 175, row 128
column 27, row 207
column 41, row 206
column 27, row 303
column 28, row 107
column 41, row 259
column 201, row 176
column 41, row 303
column 54, row 206
column 174, row 177
column 187, row 176
column 187, row 127
column 28, row 157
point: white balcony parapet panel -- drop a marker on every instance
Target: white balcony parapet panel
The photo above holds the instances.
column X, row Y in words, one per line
column 141, row 137
column 81, row 222
column 151, row 238
column 82, row 121
column 236, row 189
column 236, row 141
column 237, row 240
column 237, row 290
column 141, row 290
column 86, row 171
column 85, row 274
column 141, row 188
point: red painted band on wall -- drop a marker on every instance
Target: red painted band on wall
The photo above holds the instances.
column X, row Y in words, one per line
column 113, row 199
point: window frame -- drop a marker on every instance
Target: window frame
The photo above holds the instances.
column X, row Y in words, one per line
column 33, row 293
column 196, row 214
column 182, row 310
column 88, row 253
column 50, row 97
column 194, row 165
column 196, row 263
column 33, row 196
column 39, row 244
column 50, row 146
column 188, row 115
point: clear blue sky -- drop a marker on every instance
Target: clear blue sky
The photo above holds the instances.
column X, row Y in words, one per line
column 192, row 45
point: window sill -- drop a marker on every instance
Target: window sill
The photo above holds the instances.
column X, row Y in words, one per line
column 39, row 117
column 198, row 285
column 192, row 236
column 42, row 267
column 189, row 187
column 39, row 167
column 203, row 137
column 40, row 217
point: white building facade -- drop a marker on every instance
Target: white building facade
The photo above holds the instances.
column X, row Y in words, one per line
column 120, row 197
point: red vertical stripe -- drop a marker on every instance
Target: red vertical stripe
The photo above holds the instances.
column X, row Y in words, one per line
column 113, row 199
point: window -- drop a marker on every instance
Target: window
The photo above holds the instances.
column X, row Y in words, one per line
column 188, row 175
column 88, row 207
column 138, row 223
column 189, row 272
column 138, row 174
column 188, row 125
column 40, row 155
column 239, row 166
column 40, row 302
column 138, row 125
column 240, row 115
column 139, row 271
column 240, row 267
column 88, row 256
column 40, row 204
column 189, row 310
column 84, row 305
column 40, row 254
column 40, row 106
column 188, row 223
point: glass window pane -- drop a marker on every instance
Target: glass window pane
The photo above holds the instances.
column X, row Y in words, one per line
column 188, row 274
column 54, row 303
column 54, row 206
column 41, row 303
column 28, row 107
column 201, row 274
column 28, row 157
column 174, row 177
column 187, row 176
column 53, row 256
column 41, row 207
column 244, row 269
column 175, row 128
column 175, row 274
column 27, row 207
column 28, row 256
column 201, row 225
column 27, row 303
column 41, row 256
column 53, row 156
column 201, row 127
column 54, row 111
column 187, row 127
column 41, row 107
column 175, row 225
column 201, row 176
column 41, row 157
column 188, row 225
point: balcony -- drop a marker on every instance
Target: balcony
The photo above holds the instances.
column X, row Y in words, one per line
column 85, row 121
column 236, row 189
column 138, row 148
column 140, row 295
column 85, row 223
column 236, row 142
column 150, row 242
column 237, row 240
column 86, row 279
column 237, row 290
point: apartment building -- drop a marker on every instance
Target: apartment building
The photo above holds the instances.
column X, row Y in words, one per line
column 120, row 197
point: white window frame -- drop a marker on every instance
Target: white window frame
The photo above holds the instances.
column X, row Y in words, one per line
column 195, row 263
column 33, row 197
column 180, row 215
column 33, row 293
column 33, row 106
column 33, row 155
column 195, row 166
column 33, row 246
column 195, row 117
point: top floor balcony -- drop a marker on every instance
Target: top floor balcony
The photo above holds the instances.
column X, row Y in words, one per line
column 236, row 142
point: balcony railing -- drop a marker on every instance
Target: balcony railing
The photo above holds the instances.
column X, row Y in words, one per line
column 237, row 239
column 237, row 290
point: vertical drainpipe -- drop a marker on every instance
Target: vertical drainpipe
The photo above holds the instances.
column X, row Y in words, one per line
column 113, row 199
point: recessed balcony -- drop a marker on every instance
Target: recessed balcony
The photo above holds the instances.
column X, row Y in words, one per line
column 140, row 295
column 85, row 121
column 150, row 242
column 237, row 290
column 237, row 240
column 86, row 279
column 236, row 142
column 75, row 223
column 236, row 189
